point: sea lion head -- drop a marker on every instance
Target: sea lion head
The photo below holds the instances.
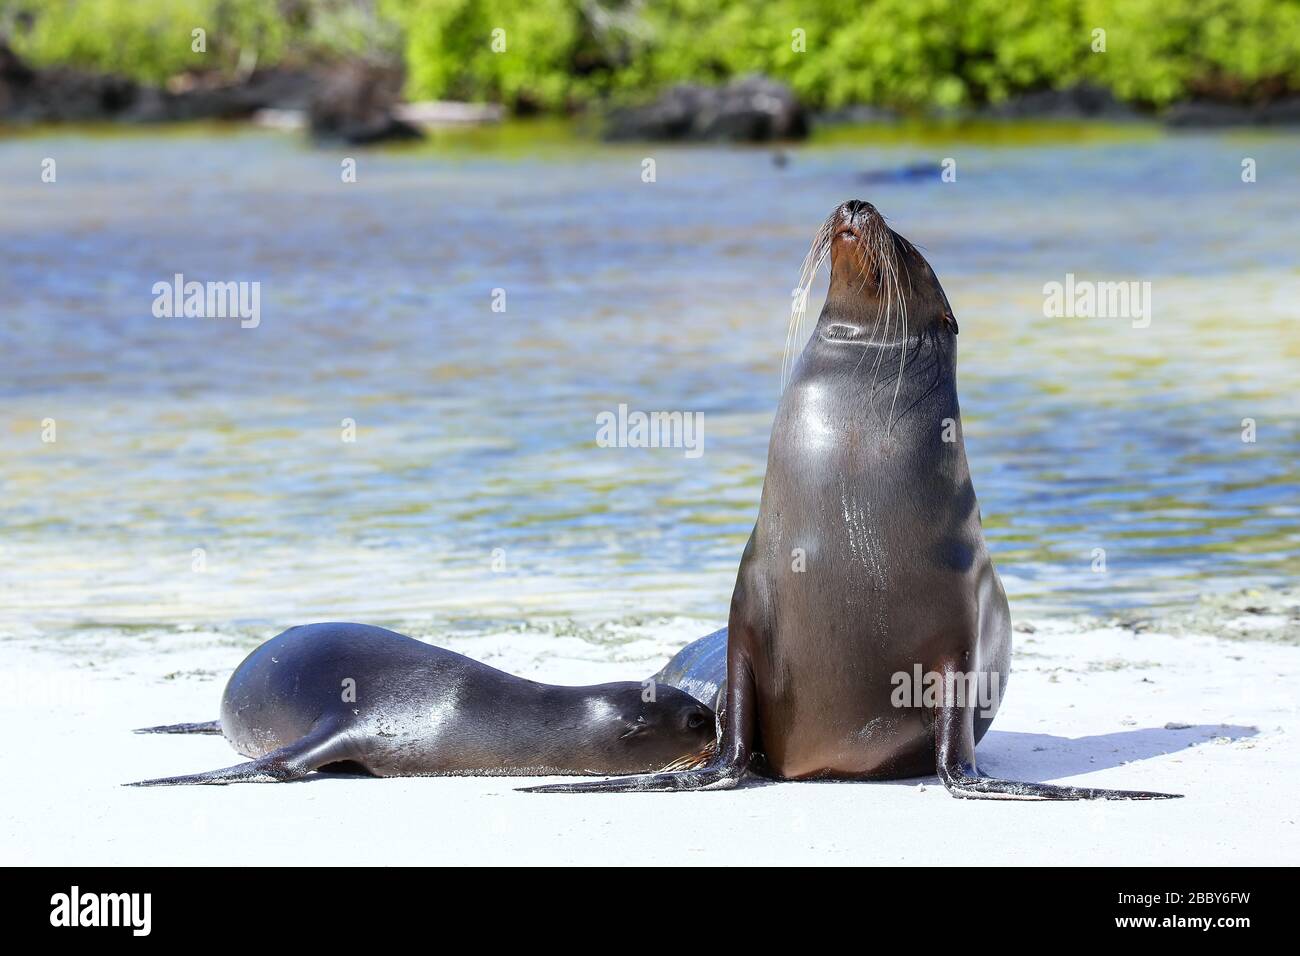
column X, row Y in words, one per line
column 671, row 730
column 882, row 290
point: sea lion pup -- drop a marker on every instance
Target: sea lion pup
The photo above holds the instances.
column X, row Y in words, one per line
column 867, row 565
column 361, row 698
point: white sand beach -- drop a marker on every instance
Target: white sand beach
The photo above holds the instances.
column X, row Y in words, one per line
column 1206, row 707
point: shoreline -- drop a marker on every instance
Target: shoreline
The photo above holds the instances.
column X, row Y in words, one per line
column 357, row 102
column 1107, row 705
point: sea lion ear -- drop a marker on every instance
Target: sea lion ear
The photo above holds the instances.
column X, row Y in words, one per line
column 949, row 321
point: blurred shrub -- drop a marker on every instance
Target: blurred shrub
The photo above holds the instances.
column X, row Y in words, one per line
column 146, row 39
column 560, row 53
column 1159, row 51
column 151, row 40
column 449, row 49
column 341, row 29
column 908, row 53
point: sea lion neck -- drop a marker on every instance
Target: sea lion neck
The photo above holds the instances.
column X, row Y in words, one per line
column 874, row 303
column 862, row 323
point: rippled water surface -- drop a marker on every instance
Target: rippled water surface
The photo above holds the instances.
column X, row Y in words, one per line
column 475, row 429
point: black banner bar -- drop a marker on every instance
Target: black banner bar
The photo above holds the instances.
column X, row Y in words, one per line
column 172, row 904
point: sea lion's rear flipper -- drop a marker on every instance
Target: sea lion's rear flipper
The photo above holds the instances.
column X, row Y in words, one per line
column 320, row 747
column 723, row 772
column 206, row 727
column 954, row 747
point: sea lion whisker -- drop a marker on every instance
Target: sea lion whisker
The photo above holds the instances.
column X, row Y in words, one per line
column 693, row 761
column 818, row 252
column 798, row 311
column 800, row 303
column 902, row 362
column 882, row 313
column 865, row 264
column 885, row 306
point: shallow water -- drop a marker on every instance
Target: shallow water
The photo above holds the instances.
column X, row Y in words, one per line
column 475, row 430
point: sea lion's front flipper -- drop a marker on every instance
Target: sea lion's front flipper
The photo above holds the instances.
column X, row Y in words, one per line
column 320, row 747
column 954, row 747
column 722, row 773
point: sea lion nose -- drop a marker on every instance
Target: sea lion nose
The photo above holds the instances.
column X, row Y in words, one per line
column 857, row 210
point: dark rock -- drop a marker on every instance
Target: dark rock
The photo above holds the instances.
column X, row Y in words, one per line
column 1283, row 112
column 753, row 109
column 13, row 71
column 202, row 97
column 354, row 104
column 62, row 94
column 29, row 95
column 1082, row 101
column 1202, row 113
column 1214, row 114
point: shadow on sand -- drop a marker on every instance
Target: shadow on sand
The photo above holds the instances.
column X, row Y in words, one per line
column 1038, row 758
column 1046, row 758
column 1033, row 758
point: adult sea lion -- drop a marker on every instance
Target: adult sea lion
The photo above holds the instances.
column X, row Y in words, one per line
column 351, row 696
column 699, row 669
column 867, row 560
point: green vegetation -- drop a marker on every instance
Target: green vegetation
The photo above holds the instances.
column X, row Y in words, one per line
column 148, row 40
column 560, row 54
column 1235, row 49
column 152, row 40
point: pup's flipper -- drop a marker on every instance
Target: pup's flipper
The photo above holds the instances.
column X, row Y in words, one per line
column 323, row 745
column 206, row 727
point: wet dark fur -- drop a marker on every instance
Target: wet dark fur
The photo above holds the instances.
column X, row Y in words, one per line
column 420, row 710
